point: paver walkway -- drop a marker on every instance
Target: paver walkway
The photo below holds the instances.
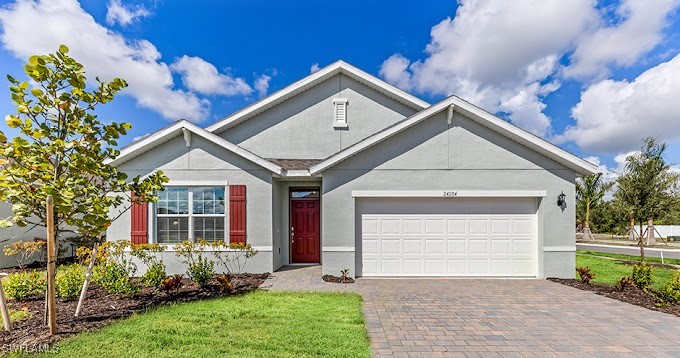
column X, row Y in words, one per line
column 498, row 318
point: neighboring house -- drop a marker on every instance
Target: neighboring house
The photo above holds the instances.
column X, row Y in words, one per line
column 344, row 170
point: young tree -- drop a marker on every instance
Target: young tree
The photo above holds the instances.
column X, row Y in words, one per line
column 62, row 150
column 647, row 187
column 589, row 193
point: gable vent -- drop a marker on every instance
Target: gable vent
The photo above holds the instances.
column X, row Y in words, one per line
column 340, row 113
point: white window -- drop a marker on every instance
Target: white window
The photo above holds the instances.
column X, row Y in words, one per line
column 340, row 113
column 190, row 213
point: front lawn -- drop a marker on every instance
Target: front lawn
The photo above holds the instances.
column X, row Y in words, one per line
column 260, row 324
column 670, row 261
column 609, row 271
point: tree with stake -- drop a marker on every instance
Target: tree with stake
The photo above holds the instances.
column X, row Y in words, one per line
column 647, row 187
column 589, row 193
column 61, row 150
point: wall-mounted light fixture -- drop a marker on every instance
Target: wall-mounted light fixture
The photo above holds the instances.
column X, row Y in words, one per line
column 561, row 199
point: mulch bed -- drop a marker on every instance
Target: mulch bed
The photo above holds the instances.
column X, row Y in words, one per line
column 632, row 295
column 101, row 309
column 337, row 279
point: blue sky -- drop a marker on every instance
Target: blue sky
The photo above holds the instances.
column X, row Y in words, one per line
column 592, row 77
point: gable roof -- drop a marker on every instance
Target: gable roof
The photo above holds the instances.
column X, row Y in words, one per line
column 182, row 126
column 311, row 81
column 477, row 114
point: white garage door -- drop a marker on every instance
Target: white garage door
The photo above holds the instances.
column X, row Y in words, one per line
column 449, row 245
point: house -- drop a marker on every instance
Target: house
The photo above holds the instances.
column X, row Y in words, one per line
column 344, row 170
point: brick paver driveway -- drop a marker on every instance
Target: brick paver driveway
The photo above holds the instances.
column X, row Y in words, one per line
column 471, row 317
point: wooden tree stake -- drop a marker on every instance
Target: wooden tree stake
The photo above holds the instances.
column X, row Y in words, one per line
column 51, row 266
column 86, row 282
column 4, row 309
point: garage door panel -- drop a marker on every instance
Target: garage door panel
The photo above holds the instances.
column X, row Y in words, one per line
column 434, row 227
column 448, row 245
column 413, row 226
column 478, row 226
column 434, row 246
column 456, row 247
column 500, row 247
column 390, row 227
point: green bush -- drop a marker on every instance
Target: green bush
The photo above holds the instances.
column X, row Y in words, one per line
column 69, row 281
column 201, row 271
column 18, row 315
column 116, row 279
column 24, row 285
column 642, row 275
column 155, row 274
column 670, row 293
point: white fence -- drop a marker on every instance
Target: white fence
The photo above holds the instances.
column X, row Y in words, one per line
column 663, row 230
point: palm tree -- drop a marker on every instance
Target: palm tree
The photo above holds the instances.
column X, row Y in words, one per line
column 589, row 192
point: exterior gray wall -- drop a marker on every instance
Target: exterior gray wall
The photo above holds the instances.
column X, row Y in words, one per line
column 206, row 162
column 13, row 234
column 302, row 127
column 436, row 156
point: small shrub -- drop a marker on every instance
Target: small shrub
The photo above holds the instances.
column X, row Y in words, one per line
column 670, row 293
column 199, row 269
column 69, row 281
column 172, row 284
column 224, row 281
column 624, row 283
column 344, row 276
column 585, row 274
column 24, row 285
column 18, row 315
column 115, row 278
column 24, row 251
column 642, row 275
column 155, row 275
column 233, row 256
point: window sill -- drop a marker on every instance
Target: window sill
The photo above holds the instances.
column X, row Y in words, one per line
column 340, row 125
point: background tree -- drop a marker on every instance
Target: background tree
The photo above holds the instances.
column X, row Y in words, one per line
column 590, row 191
column 647, row 188
column 61, row 150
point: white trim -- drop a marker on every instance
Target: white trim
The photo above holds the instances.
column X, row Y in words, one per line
column 197, row 182
column 477, row 114
column 171, row 248
column 187, row 137
column 338, row 249
column 171, row 131
column 297, row 173
column 448, row 193
column 559, row 248
column 310, row 81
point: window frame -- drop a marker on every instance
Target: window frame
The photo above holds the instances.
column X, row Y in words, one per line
column 153, row 215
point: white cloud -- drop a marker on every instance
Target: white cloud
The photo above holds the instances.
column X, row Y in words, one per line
column 505, row 55
column 34, row 27
column 315, row 67
column 613, row 116
column 262, row 84
column 117, row 12
column 622, row 44
column 497, row 54
column 202, row 77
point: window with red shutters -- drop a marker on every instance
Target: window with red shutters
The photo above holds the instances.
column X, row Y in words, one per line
column 237, row 213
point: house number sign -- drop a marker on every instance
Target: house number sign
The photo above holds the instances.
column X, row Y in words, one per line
column 450, row 194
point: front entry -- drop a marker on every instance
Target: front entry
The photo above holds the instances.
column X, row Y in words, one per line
column 304, row 230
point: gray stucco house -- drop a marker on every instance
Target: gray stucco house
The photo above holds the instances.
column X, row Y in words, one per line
column 344, row 170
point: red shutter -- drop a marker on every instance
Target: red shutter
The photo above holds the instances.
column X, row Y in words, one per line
column 139, row 223
column 237, row 213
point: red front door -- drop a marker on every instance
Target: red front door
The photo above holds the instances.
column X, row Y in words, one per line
column 305, row 233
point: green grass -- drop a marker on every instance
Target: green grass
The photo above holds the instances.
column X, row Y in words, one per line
column 630, row 257
column 609, row 271
column 258, row 324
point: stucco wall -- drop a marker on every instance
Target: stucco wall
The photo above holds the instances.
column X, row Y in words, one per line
column 206, row 162
column 436, row 156
column 302, row 127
